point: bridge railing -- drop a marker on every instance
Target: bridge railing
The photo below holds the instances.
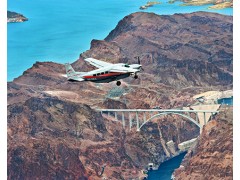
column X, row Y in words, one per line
column 155, row 110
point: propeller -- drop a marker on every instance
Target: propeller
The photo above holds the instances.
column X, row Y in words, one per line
column 138, row 58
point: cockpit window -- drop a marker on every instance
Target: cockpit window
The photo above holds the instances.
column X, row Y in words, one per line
column 126, row 65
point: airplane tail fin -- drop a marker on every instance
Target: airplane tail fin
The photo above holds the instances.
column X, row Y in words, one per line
column 69, row 70
column 72, row 75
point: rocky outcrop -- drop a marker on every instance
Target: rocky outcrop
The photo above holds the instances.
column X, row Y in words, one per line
column 180, row 50
column 52, row 124
column 15, row 17
column 70, row 140
column 39, row 129
column 218, row 4
column 149, row 4
column 212, row 157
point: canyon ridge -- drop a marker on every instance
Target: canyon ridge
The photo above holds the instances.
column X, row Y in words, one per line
column 55, row 132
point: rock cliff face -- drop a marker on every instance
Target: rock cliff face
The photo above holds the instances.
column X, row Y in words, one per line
column 52, row 124
column 70, row 140
column 218, row 4
column 180, row 50
column 15, row 17
column 212, row 158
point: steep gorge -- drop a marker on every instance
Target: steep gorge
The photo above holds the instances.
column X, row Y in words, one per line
column 212, row 157
column 54, row 131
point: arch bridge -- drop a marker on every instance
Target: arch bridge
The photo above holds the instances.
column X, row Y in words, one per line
column 139, row 117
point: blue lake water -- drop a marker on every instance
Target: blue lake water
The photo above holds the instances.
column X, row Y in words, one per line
column 166, row 169
column 227, row 101
column 59, row 30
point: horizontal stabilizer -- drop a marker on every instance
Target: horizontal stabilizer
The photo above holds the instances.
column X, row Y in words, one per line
column 75, row 79
column 72, row 75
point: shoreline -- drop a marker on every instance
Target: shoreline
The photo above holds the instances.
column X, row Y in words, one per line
column 104, row 141
column 169, row 159
column 149, row 4
column 13, row 17
column 217, row 5
column 72, row 52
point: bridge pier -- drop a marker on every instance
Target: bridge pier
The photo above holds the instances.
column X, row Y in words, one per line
column 204, row 115
column 123, row 120
column 137, row 121
column 197, row 119
column 130, row 121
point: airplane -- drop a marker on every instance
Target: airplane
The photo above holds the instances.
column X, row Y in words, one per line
column 105, row 73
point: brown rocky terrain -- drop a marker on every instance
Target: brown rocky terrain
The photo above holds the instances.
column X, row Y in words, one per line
column 180, row 50
column 54, row 131
column 212, row 157
column 70, row 140
column 15, row 17
column 218, row 4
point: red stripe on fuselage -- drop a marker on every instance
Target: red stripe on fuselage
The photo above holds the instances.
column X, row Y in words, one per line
column 104, row 75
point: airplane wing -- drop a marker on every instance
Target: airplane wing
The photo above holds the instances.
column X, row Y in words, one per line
column 117, row 70
column 123, row 70
column 97, row 63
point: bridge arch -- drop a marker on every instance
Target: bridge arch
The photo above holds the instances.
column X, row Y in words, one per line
column 167, row 113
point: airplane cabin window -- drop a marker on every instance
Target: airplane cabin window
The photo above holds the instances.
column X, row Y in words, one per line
column 94, row 75
column 102, row 72
column 106, row 72
column 98, row 74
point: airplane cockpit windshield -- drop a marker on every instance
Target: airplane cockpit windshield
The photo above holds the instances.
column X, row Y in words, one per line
column 126, row 65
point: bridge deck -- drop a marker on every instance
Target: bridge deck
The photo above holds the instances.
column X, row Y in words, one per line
column 156, row 110
column 207, row 114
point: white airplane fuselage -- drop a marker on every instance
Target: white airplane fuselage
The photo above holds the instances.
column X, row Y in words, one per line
column 103, row 75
